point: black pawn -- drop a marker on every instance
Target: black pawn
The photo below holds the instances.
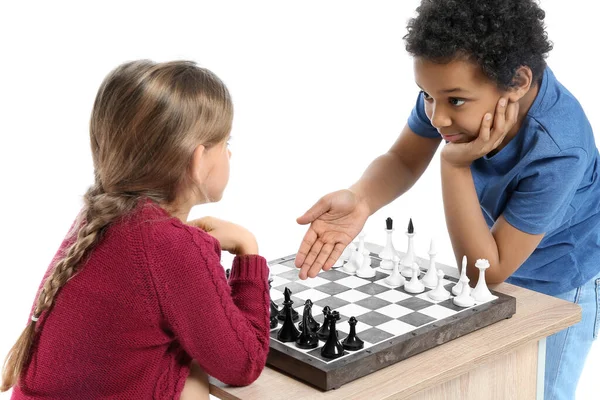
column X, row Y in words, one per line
column 287, row 293
column 323, row 333
column 288, row 332
column 307, row 339
column 332, row 347
column 411, row 228
column 352, row 342
column 227, row 272
column 389, row 223
column 313, row 325
column 274, row 311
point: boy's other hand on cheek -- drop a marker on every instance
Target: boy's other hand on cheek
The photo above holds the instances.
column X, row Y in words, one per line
column 233, row 238
column 491, row 134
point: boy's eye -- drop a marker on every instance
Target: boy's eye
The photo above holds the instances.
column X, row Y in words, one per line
column 425, row 95
column 456, row 102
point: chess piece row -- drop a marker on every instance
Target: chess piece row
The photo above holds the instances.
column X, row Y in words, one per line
column 310, row 331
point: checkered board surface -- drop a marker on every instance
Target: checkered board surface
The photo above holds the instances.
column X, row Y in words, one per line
column 383, row 313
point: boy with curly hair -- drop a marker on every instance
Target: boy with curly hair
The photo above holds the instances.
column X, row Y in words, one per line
column 519, row 168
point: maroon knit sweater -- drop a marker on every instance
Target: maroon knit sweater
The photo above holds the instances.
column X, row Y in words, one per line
column 151, row 297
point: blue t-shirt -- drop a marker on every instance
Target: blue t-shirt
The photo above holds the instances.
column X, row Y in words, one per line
column 545, row 180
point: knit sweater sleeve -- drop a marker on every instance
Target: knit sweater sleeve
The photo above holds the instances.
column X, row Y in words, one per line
column 223, row 325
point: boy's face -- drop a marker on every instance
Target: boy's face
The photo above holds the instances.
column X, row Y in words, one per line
column 457, row 96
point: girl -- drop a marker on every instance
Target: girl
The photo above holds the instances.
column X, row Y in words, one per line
column 135, row 297
column 519, row 169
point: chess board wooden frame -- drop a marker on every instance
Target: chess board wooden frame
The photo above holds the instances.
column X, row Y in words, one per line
column 328, row 376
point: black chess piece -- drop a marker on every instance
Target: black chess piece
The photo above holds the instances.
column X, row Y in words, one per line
column 308, row 339
column 389, row 223
column 287, row 293
column 411, row 228
column 323, row 333
column 274, row 310
column 227, row 272
column 313, row 325
column 352, row 342
column 332, row 347
column 288, row 332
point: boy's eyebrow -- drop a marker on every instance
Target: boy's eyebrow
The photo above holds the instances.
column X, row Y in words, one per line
column 456, row 89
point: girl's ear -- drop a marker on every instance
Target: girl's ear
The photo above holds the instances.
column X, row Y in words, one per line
column 522, row 82
column 197, row 164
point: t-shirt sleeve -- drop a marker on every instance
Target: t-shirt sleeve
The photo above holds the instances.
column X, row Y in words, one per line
column 223, row 325
column 418, row 121
column 542, row 198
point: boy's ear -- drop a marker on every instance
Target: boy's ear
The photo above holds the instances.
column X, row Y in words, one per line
column 522, row 81
column 197, row 161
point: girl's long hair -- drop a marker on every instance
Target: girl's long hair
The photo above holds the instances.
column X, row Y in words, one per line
column 147, row 120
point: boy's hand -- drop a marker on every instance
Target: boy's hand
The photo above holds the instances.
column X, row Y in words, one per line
column 233, row 238
column 463, row 154
column 334, row 221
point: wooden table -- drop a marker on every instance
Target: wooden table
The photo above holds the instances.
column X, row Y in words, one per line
column 502, row 361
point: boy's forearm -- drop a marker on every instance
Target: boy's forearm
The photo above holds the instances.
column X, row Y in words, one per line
column 466, row 225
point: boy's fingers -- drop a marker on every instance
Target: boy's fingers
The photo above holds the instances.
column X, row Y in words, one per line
column 499, row 118
column 307, row 242
column 312, row 254
column 333, row 257
column 484, row 131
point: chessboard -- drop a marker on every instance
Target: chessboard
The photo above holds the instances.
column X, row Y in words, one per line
column 393, row 323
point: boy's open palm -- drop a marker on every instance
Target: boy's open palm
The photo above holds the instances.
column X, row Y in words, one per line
column 490, row 137
column 334, row 221
column 233, row 238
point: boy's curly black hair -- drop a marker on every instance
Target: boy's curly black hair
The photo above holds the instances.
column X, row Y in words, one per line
column 498, row 35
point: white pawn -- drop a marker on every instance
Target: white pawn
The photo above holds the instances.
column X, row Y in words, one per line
column 387, row 263
column 352, row 265
column 395, row 279
column 481, row 293
column 365, row 270
column 360, row 250
column 464, row 299
column 430, row 279
column 414, row 285
column 457, row 289
column 439, row 293
column 348, row 252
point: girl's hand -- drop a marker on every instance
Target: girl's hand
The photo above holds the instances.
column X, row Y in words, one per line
column 463, row 154
column 233, row 238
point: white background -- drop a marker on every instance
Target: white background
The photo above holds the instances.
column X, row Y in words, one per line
column 320, row 89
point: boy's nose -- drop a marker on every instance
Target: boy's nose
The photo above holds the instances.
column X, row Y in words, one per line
column 440, row 119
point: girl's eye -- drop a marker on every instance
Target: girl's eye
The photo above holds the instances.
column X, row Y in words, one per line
column 425, row 95
column 456, row 102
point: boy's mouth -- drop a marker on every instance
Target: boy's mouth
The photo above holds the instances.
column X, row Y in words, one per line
column 451, row 137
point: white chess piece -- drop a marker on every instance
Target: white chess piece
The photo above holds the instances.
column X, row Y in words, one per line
column 360, row 250
column 481, row 293
column 348, row 252
column 388, row 251
column 457, row 289
column 439, row 293
column 430, row 279
column 395, row 279
column 352, row 265
column 365, row 270
column 464, row 299
column 409, row 259
column 414, row 285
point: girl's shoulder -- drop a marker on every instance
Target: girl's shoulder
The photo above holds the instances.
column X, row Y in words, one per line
column 160, row 230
